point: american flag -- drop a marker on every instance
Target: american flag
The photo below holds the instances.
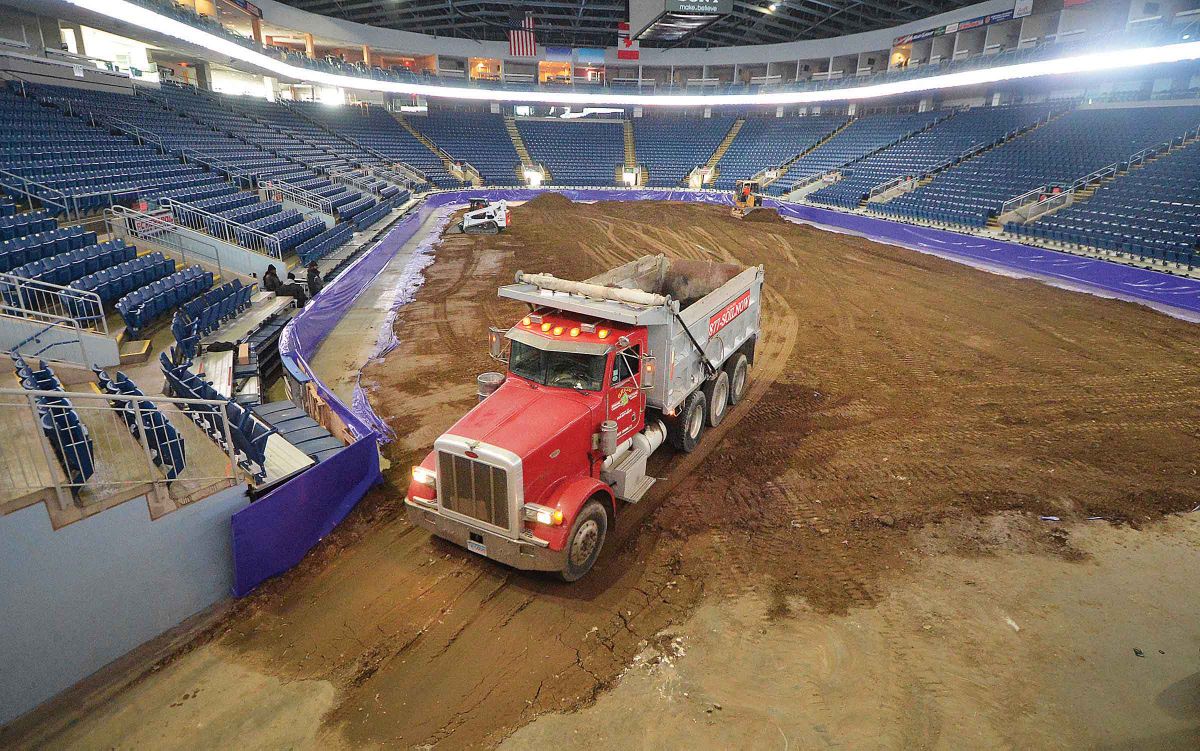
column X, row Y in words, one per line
column 521, row 42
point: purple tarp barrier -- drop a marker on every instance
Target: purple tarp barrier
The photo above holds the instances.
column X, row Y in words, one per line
column 1176, row 295
column 275, row 532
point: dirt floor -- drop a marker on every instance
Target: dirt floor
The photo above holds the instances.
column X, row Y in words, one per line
column 859, row 557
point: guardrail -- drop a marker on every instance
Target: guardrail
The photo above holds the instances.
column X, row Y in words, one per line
column 136, row 226
column 72, row 307
column 223, row 229
column 407, row 171
column 143, row 136
column 889, row 185
column 35, row 191
column 87, row 447
column 833, row 174
column 236, row 174
column 349, row 176
column 288, row 192
column 1028, row 197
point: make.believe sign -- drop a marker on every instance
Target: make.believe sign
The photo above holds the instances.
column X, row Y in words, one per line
column 699, row 7
column 728, row 313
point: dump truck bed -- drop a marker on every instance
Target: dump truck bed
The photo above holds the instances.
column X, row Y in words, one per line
column 688, row 307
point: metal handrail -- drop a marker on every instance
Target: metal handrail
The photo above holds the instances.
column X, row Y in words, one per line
column 349, row 177
column 22, row 187
column 143, row 135
column 161, row 229
column 233, row 172
column 1029, row 196
column 260, row 241
column 297, row 195
column 82, row 308
column 101, row 438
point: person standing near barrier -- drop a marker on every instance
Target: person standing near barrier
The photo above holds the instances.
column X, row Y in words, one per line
column 315, row 282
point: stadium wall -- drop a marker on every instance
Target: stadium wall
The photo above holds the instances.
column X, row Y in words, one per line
column 73, row 600
column 277, row 13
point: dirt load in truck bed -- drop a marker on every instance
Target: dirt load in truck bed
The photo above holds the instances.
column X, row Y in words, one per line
column 910, row 421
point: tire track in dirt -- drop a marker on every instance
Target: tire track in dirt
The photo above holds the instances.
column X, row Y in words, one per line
column 889, row 393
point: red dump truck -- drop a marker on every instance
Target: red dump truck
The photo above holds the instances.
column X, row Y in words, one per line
column 600, row 374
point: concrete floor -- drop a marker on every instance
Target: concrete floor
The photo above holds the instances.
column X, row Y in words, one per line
column 352, row 343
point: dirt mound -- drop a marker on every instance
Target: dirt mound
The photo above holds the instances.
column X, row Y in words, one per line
column 898, row 403
column 548, row 202
column 764, row 216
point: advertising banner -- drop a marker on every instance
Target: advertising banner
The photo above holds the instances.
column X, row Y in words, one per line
column 699, row 7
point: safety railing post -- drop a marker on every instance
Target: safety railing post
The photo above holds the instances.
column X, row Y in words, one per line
column 149, row 456
column 59, row 491
column 230, row 449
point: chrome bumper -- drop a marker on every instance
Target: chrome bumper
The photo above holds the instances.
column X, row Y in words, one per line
column 523, row 554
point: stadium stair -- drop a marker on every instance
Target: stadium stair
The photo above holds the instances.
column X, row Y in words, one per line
column 722, row 147
column 447, row 160
column 630, row 146
column 1084, row 142
column 928, row 177
column 510, row 125
column 898, row 139
column 783, row 168
column 1148, row 213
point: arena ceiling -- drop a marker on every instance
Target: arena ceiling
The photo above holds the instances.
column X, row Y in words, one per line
column 593, row 23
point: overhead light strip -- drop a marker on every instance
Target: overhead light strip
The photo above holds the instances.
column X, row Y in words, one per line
column 137, row 15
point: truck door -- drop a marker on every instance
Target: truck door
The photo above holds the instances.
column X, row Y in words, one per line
column 625, row 395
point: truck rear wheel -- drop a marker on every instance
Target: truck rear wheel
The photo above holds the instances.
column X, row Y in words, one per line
column 687, row 426
column 586, row 540
column 716, row 393
column 738, row 369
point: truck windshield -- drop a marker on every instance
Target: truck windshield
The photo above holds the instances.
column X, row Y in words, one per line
column 566, row 369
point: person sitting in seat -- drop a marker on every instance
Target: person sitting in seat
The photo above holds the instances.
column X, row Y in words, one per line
column 270, row 279
column 292, row 289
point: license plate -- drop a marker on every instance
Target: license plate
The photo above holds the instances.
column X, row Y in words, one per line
column 477, row 547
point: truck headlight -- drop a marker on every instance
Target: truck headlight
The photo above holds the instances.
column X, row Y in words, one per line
column 551, row 517
column 424, row 476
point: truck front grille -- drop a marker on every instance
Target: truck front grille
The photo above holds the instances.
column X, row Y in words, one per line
column 472, row 488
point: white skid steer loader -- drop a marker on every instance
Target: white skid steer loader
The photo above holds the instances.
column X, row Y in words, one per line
column 486, row 219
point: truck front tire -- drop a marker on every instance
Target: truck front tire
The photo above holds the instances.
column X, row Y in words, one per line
column 687, row 426
column 738, row 369
column 716, row 393
column 585, row 541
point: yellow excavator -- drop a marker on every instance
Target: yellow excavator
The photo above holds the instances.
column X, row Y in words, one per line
column 746, row 198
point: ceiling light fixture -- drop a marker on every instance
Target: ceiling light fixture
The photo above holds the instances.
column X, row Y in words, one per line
column 126, row 12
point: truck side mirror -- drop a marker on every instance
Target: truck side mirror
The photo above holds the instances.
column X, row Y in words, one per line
column 648, row 368
column 496, row 344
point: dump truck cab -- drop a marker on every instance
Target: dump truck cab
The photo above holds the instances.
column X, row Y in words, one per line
column 533, row 474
